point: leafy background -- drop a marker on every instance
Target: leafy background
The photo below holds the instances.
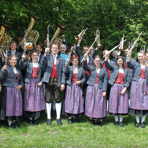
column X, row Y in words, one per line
column 111, row 17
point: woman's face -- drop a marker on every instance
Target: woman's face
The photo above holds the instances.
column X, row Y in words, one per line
column 13, row 61
column 97, row 61
column 75, row 62
column 120, row 62
column 34, row 57
column 141, row 57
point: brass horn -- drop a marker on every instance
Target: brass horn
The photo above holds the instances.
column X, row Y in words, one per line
column 32, row 35
column 57, row 32
column 4, row 39
column 80, row 34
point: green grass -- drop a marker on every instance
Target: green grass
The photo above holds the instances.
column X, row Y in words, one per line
column 76, row 135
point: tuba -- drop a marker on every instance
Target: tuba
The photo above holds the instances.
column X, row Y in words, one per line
column 80, row 34
column 4, row 39
column 57, row 32
column 31, row 35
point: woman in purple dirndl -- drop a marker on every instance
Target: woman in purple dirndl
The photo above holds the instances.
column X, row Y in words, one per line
column 34, row 101
column 11, row 102
column 74, row 95
column 139, row 89
column 95, row 104
column 119, row 79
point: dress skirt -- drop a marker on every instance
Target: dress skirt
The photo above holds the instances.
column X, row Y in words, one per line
column 139, row 97
column 11, row 104
column 95, row 104
column 118, row 104
column 74, row 99
column 34, row 100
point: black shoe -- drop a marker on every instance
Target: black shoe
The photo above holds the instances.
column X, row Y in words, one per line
column 121, row 124
column 59, row 121
column 36, row 122
column 48, row 122
column 17, row 124
column 30, row 122
column 77, row 120
column 143, row 125
column 136, row 124
column 69, row 121
column 100, row 123
column 12, row 126
column 116, row 123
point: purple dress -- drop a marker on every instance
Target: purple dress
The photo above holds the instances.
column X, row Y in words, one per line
column 95, row 105
column 34, row 101
column 73, row 97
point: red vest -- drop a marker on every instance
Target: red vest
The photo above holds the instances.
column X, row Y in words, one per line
column 120, row 78
column 74, row 77
column 108, row 71
column 16, row 78
column 87, row 72
column 34, row 72
column 126, row 66
column 54, row 71
column 142, row 74
column 96, row 82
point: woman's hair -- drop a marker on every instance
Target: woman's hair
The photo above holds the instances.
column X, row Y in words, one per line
column 11, row 58
column 75, row 57
column 120, row 57
column 97, row 56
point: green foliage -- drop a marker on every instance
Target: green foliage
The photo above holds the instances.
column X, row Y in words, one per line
column 112, row 17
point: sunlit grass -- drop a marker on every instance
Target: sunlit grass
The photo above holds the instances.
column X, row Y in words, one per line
column 76, row 135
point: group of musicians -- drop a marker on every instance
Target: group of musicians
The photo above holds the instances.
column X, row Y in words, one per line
column 29, row 88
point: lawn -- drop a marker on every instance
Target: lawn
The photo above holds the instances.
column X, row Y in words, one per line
column 76, row 135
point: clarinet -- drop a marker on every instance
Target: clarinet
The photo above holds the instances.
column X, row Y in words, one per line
column 6, row 53
column 48, row 38
column 25, row 49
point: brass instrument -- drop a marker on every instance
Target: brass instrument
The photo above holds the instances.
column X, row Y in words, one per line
column 97, row 36
column 121, row 43
column 98, row 39
column 143, row 48
column 4, row 39
column 80, row 34
column 57, row 32
column 31, row 35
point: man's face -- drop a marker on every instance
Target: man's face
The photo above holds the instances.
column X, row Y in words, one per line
column 45, row 43
column 126, row 52
column 54, row 49
column 85, row 49
column 146, row 56
column 19, row 39
column 13, row 46
column 91, row 51
column 63, row 48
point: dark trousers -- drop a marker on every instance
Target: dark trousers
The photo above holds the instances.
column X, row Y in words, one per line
column 52, row 89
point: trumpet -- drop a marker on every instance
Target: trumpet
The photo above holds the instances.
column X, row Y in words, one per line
column 80, row 34
column 31, row 35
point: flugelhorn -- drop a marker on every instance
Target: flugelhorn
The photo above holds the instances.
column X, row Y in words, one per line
column 32, row 35
column 80, row 34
